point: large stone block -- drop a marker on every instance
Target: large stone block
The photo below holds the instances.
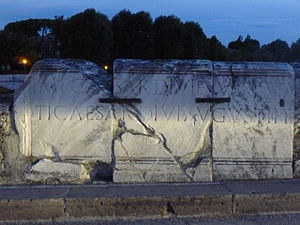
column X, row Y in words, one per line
column 58, row 115
column 253, row 137
column 166, row 137
column 161, row 121
column 202, row 120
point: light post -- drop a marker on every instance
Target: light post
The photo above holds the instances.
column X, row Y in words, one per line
column 24, row 62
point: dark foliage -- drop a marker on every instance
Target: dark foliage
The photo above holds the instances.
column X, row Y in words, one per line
column 91, row 35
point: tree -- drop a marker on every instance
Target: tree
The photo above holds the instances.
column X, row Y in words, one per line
column 132, row 35
column 28, row 28
column 13, row 46
column 168, row 35
column 251, row 45
column 87, row 35
column 276, row 51
column 215, row 50
column 244, row 49
column 237, row 44
column 295, row 51
column 194, row 41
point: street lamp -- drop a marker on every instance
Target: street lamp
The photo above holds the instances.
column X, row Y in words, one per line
column 24, row 61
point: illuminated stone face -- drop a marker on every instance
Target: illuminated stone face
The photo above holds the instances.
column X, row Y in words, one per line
column 166, row 137
column 170, row 137
column 257, row 142
column 196, row 121
column 58, row 115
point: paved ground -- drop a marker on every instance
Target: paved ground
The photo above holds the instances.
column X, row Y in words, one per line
column 149, row 190
column 290, row 219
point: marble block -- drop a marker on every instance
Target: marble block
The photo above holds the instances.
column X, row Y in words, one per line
column 166, row 137
column 200, row 121
column 253, row 139
column 46, row 170
column 57, row 111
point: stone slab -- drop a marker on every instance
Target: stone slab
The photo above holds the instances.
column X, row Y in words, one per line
column 253, row 135
column 166, row 137
column 58, row 115
column 47, row 170
column 171, row 136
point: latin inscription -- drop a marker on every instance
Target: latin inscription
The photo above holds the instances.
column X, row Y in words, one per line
column 178, row 113
column 170, row 85
column 61, row 112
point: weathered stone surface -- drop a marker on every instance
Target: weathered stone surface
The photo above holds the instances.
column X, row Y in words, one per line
column 253, row 135
column 172, row 136
column 58, row 115
column 4, row 131
column 178, row 133
column 46, row 170
column 12, row 162
column 166, row 137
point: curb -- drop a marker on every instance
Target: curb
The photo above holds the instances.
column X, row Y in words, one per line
column 220, row 199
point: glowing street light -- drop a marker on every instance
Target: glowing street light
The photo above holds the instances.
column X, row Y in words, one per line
column 24, row 61
column 106, row 67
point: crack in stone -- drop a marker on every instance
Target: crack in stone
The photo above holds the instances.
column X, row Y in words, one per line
column 119, row 128
column 161, row 140
column 196, row 154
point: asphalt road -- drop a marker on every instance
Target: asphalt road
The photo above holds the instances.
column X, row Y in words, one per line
column 289, row 219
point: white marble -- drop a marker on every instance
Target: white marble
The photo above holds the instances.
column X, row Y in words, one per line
column 47, row 170
column 58, row 115
column 166, row 137
column 254, row 138
column 170, row 137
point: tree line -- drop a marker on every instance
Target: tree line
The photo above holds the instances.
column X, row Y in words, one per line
column 93, row 36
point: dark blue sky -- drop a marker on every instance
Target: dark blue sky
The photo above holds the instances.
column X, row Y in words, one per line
column 265, row 20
